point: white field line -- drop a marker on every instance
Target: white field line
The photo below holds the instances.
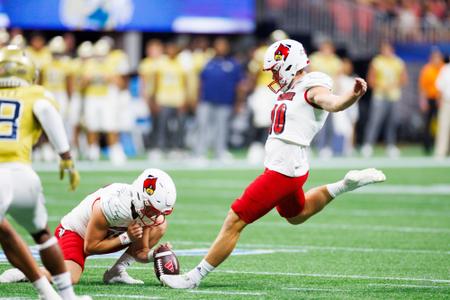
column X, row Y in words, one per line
column 125, row 296
column 16, row 298
column 295, row 274
column 362, row 277
column 325, row 226
column 409, row 286
column 322, row 248
column 224, row 184
column 227, row 293
column 307, row 289
column 205, row 186
column 335, row 163
column 329, row 226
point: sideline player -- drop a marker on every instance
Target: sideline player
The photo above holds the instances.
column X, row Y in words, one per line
column 299, row 113
column 26, row 109
column 113, row 218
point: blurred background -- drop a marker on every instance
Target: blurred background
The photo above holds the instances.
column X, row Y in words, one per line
column 182, row 80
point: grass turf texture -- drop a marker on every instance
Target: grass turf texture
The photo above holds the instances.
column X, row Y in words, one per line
column 362, row 246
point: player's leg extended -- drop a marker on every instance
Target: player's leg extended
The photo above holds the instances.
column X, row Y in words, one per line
column 139, row 251
column 317, row 198
column 260, row 197
column 226, row 240
column 29, row 211
column 17, row 252
column 222, row 247
column 20, row 257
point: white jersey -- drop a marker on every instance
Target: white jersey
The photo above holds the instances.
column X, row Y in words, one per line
column 295, row 122
column 115, row 203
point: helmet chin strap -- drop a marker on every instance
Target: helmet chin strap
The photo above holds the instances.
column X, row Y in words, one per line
column 272, row 86
column 153, row 221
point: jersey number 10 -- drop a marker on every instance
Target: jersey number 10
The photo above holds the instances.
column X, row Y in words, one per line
column 278, row 117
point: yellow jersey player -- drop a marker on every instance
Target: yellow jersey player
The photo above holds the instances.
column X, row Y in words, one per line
column 37, row 51
column 56, row 74
column 100, row 107
column 25, row 111
column 120, row 97
column 84, row 52
column 169, row 101
column 147, row 67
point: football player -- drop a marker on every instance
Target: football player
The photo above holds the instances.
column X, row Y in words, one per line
column 99, row 107
column 55, row 74
column 25, row 110
column 303, row 103
column 260, row 101
column 18, row 254
column 115, row 217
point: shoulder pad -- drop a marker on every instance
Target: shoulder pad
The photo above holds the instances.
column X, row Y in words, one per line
column 116, row 203
column 317, row 79
column 38, row 92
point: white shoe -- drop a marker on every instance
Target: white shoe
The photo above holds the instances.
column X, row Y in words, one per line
column 155, row 155
column 84, row 297
column 93, row 153
column 358, row 178
column 393, row 152
column 48, row 154
column 179, row 281
column 13, row 275
column 326, row 153
column 367, row 151
column 255, row 154
column 115, row 276
column 117, row 155
column 54, row 296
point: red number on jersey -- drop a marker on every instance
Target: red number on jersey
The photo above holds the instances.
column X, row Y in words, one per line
column 278, row 118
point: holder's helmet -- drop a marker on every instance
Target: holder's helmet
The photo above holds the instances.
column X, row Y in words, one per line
column 157, row 196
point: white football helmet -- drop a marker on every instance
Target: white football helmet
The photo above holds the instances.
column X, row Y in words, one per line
column 284, row 58
column 57, row 45
column 156, row 196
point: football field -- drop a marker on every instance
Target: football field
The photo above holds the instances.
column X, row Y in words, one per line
column 386, row 241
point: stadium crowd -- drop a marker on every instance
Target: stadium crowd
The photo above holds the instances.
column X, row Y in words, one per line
column 203, row 96
column 402, row 20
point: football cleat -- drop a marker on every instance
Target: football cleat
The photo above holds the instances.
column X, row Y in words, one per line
column 179, row 281
column 115, row 276
column 357, row 178
column 13, row 275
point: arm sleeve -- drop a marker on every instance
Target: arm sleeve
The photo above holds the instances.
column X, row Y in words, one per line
column 52, row 123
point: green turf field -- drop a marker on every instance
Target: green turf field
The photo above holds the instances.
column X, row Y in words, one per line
column 390, row 241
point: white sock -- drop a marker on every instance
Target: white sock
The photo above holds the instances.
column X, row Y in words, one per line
column 63, row 284
column 44, row 288
column 123, row 262
column 337, row 188
column 200, row 272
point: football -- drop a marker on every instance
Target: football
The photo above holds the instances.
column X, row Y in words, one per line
column 165, row 262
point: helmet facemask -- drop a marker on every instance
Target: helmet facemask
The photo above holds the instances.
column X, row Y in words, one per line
column 151, row 216
column 284, row 59
column 280, row 83
column 156, row 196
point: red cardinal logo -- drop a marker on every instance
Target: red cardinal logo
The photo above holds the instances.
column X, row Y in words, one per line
column 150, row 185
column 281, row 53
